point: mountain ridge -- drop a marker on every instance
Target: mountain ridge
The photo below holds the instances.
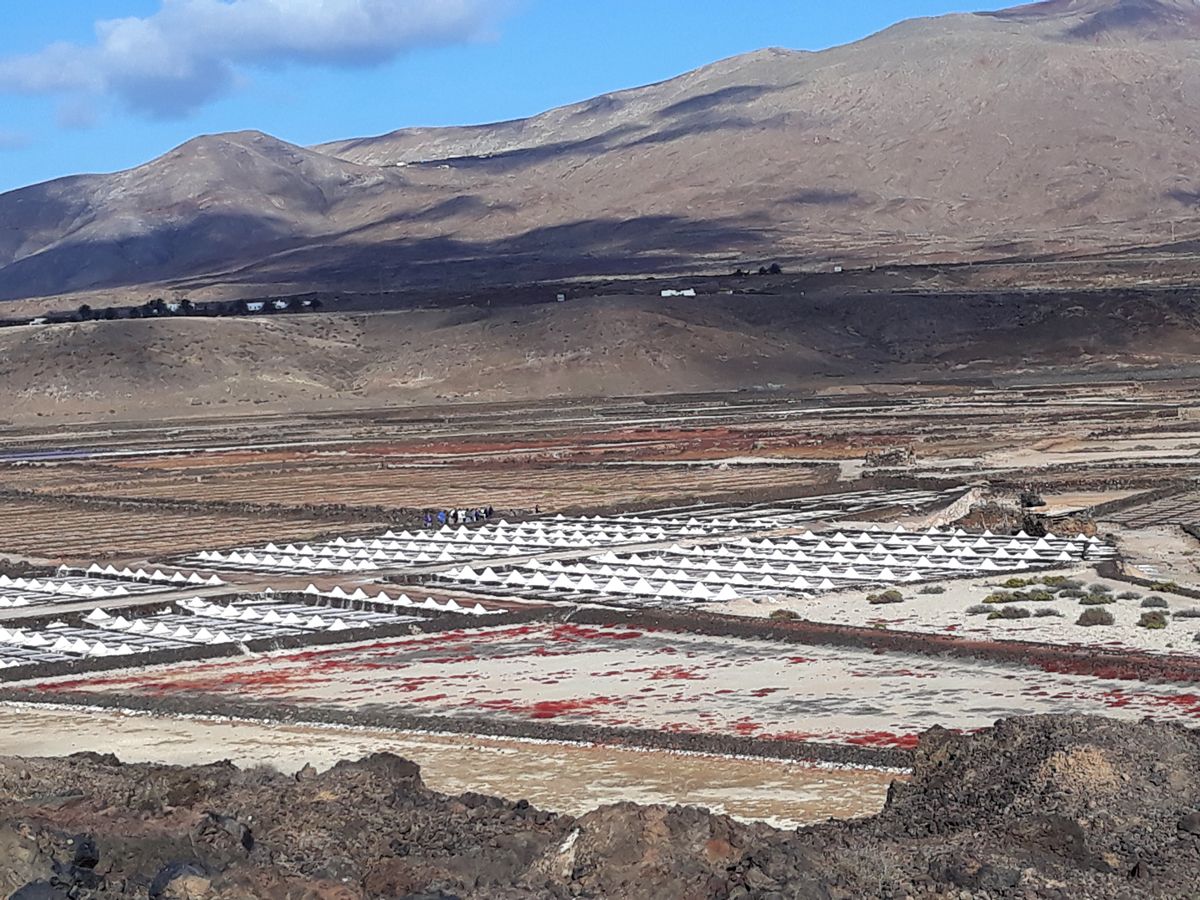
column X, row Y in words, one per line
column 966, row 137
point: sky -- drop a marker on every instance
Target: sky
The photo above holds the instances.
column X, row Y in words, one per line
column 103, row 85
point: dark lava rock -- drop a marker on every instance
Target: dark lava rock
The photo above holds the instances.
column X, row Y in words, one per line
column 1047, row 807
column 215, row 824
column 180, row 881
column 100, row 759
column 1190, row 823
column 40, row 890
column 87, row 855
column 966, row 871
column 388, row 767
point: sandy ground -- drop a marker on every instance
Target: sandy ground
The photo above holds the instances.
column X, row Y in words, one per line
column 1180, row 450
column 665, row 681
column 1162, row 553
column 566, row 778
column 1066, row 503
column 947, row 613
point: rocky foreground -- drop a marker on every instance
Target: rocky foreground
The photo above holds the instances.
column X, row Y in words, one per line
column 1068, row 807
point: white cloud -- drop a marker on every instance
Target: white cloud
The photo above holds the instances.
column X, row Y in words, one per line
column 190, row 52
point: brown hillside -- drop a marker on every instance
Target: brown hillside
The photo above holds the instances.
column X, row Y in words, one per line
column 599, row 346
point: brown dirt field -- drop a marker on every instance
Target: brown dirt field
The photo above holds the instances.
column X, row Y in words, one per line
column 62, row 533
column 554, row 456
column 509, row 488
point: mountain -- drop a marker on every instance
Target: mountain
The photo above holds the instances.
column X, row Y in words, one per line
column 1060, row 128
column 1105, row 19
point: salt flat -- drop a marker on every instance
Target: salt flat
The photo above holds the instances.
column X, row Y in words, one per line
column 668, row 681
column 567, row 777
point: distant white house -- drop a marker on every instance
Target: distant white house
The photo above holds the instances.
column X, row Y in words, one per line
column 690, row 292
column 257, row 306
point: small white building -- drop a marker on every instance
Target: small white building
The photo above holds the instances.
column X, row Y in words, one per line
column 690, row 292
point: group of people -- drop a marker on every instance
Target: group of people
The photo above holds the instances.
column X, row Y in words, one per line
column 458, row 516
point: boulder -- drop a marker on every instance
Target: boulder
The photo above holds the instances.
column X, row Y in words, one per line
column 181, row 880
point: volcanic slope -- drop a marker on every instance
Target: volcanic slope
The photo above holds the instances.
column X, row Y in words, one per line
column 1057, row 128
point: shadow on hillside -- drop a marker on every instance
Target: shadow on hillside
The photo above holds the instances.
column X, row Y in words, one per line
column 201, row 245
column 466, row 205
column 35, row 207
column 733, row 95
column 823, row 197
column 647, row 244
column 247, row 250
column 510, row 160
column 1187, row 198
column 621, row 138
column 1124, row 18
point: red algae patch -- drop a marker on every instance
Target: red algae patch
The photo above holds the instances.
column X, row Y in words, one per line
column 606, row 677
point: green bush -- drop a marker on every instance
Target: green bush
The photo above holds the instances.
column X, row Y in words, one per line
column 1099, row 589
column 1045, row 613
column 1153, row 620
column 1156, row 603
column 1017, row 583
column 1038, row 596
column 1072, row 593
column 784, row 614
column 1062, row 581
column 933, row 589
column 892, row 596
column 1167, row 587
column 1093, row 617
column 1097, row 600
column 979, row 609
column 1191, row 613
column 1129, row 595
column 1010, row 612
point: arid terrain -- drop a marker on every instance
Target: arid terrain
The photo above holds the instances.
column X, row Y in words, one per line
column 769, row 605
column 786, row 339
column 534, row 537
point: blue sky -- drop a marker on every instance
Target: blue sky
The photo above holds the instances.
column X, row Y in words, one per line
column 78, row 96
